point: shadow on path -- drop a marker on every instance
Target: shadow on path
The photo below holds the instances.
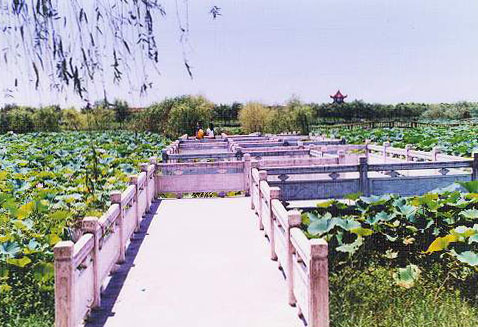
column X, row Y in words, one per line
column 109, row 296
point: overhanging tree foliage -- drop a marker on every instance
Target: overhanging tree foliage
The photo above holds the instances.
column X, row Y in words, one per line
column 76, row 44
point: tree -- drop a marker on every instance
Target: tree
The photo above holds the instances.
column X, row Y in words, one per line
column 47, row 119
column 254, row 117
column 121, row 110
column 73, row 44
column 72, row 119
column 184, row 116
column 176, row 116
column 301, row 115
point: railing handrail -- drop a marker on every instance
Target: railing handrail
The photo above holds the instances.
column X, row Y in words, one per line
column 302, row 170
column 192, row 156
column 421, row 165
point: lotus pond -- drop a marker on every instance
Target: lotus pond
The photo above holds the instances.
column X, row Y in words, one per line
column 460, row 141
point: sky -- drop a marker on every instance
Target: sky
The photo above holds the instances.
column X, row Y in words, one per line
column 261, row 50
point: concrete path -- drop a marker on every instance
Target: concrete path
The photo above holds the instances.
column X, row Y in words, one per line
column 202, row 263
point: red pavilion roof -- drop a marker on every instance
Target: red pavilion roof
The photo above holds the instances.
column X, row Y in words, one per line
column 338, row 95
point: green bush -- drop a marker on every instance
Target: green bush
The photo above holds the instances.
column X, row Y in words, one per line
column 100, row 118
column 295, row 116
column 73, row 120
column 47, row 119
column 278, row 121
column 254, row 117
column 18, row 120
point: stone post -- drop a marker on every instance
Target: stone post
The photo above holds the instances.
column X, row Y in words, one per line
column 91, row 225
column 408, row 148
column 318, row 284
column 363, row 176
column 154, row 161
column 116, row 199
column 386, row 145
column 64, row 284
column 367, row 150
column 144, row 168
column 133, row 180
column 262, row 177
column 341, row 154
column 254, row 164
column 293, row 220
column 474, row 175
column 274, row 195
column 164, row 155
column 247, row 173
column 435, row 152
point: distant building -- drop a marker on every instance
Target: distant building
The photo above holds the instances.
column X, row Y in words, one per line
column 338, row 97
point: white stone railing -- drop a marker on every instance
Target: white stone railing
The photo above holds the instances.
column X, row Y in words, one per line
column 304, row 262
column 390, row 154
column 220, row 176
column 82, row 268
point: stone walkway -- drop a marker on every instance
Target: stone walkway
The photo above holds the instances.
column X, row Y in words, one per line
column 201, row 262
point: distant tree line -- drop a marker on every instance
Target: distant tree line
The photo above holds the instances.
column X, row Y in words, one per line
column 360, row 110
column 102, row 115
column 173, row 117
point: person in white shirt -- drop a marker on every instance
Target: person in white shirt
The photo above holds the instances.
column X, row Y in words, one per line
column 210, row 130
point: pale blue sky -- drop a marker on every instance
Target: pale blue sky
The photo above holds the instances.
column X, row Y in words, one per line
column 376, row 50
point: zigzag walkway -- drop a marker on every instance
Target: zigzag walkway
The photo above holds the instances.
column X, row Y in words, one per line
column 198, row 262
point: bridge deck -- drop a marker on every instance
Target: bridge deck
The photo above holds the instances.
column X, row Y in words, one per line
column 202, row 262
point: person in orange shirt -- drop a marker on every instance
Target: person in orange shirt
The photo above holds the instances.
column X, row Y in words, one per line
column 199, row 132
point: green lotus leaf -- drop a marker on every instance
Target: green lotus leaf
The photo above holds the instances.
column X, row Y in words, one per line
column 468, row 257
column 351, row 248
column 463, row 231
column 21, row 262
column 473, row 239
column 25, row 210
column 325, row 204
column 10, row 249
column 43, row 271
column 471, row 186
column 4, row 288
column 381, row 216
column 470, row 213
column 362, row 231
column 442, row 243
column 321, row 226
column 347, row 224
column 408, row 276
